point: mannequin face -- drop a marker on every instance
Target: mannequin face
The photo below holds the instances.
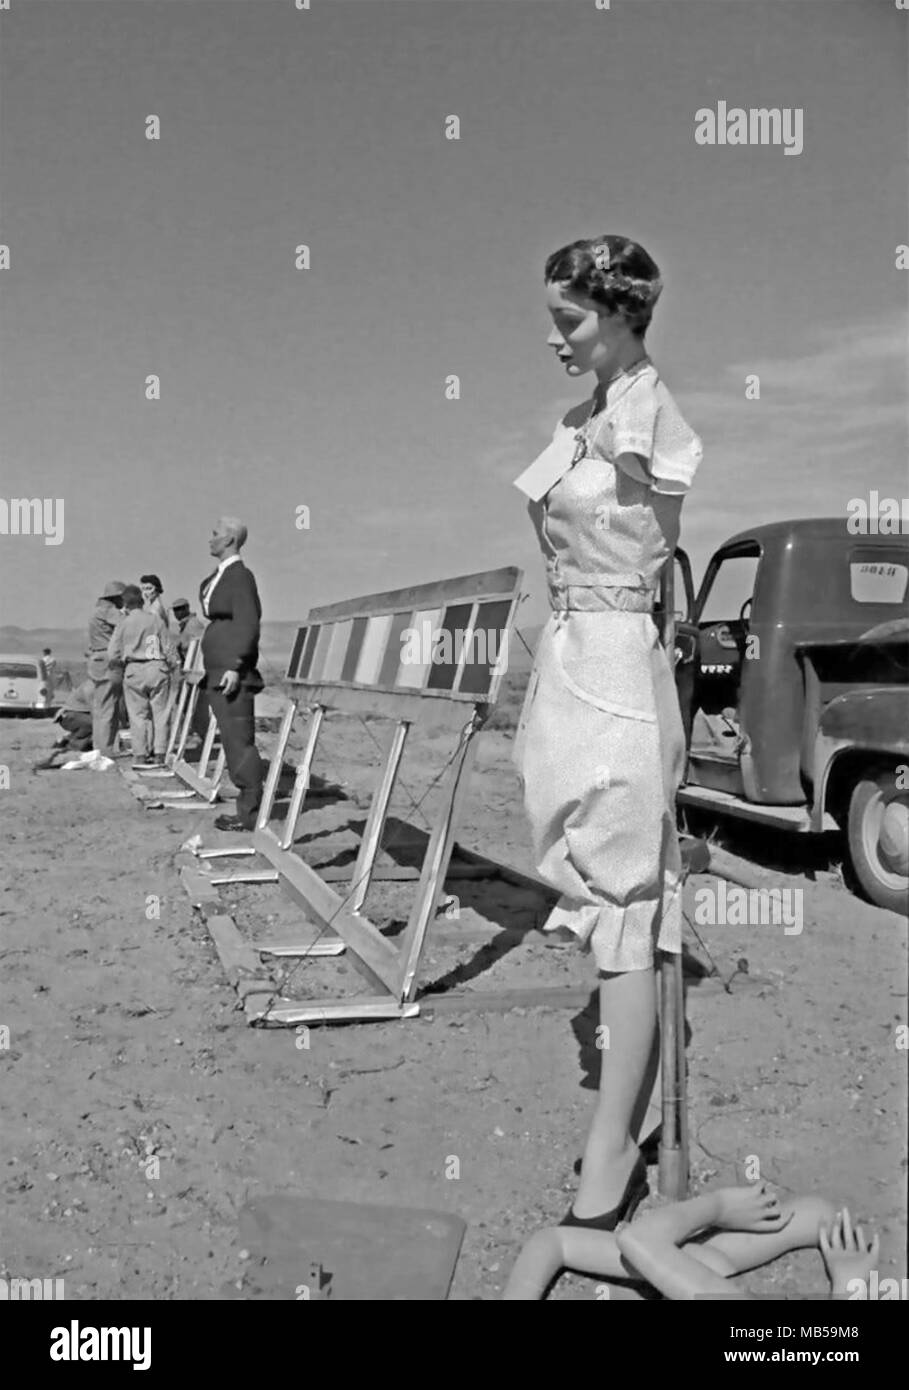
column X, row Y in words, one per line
column 221, row 539
column 586, row 338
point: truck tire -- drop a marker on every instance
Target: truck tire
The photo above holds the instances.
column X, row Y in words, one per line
column 878, row 839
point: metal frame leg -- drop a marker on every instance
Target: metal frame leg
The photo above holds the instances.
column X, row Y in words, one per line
column 301, row 778
column 275, row 766
column 435, row 863
column 375, row 821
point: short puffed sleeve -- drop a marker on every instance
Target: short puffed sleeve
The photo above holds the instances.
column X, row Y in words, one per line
column 646, row 421
column 633, row 418
column 677, row 450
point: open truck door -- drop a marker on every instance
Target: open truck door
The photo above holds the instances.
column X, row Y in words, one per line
column 686, row 636
column 722, row 669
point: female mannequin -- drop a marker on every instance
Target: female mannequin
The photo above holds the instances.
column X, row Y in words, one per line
column 600, row 745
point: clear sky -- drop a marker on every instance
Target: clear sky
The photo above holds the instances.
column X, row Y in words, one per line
column 325, row 387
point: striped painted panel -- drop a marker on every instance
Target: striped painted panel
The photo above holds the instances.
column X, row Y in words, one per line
column 354, row 646
column 375, row 642
column 489, row 642
column 317, row 665
column 337, row 648
column 451, row 644
column 309, row 650
column 452, row 640
column 416, row 650
column 296, row 655
column 392, row 658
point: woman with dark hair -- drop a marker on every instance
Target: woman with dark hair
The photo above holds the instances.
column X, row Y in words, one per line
column 600, row 745
column 152, row 589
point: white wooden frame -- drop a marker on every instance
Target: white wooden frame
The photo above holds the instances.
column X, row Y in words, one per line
column 390, row 970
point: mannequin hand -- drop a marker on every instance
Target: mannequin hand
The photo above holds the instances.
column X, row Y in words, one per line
column 846, row 1253
column 751, row 1208
column 229, row 682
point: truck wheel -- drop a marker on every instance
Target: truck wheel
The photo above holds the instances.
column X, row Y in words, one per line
column 878, row 836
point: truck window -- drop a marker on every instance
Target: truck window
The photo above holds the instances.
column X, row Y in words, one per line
column 18, row 670
column 732, row 584
column 877, row 576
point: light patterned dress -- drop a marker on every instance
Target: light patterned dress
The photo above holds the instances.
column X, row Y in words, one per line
column 600, row 744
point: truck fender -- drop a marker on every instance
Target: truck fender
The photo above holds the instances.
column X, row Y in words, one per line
column 872, row 724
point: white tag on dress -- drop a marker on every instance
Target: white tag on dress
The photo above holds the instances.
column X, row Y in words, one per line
column 548, row 467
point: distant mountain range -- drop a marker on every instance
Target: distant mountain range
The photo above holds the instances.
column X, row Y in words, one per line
column 68, row 644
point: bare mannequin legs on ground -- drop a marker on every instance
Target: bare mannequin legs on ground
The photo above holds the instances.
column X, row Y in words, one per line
column 748, row 1227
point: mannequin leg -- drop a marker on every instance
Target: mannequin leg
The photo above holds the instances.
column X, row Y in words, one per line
column 628, row 1009
column 733, row 1252
column 724, row 1253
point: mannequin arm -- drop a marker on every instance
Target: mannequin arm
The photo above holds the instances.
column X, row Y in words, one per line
column 651, row 1244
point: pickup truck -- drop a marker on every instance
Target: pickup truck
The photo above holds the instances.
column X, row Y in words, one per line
column 792, row 666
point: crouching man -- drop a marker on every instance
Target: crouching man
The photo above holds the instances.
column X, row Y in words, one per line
column 74, row 720
column 143, row 646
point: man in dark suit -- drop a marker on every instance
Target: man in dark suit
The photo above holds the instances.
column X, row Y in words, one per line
column 230, row 654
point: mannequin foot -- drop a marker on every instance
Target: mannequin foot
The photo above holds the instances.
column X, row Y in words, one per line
column 611, row 1185
column 608, row 1218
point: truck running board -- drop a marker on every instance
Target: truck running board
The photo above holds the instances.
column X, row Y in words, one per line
column 795, row 818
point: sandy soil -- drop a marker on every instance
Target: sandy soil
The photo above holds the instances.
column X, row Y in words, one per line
column 126, row 1046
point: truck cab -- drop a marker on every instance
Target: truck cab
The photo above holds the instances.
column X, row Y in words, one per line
column 792, row 664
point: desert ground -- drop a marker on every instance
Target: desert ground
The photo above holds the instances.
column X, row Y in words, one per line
column 126, row 1044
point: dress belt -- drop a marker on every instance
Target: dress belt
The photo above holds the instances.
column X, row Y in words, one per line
column 600, row 599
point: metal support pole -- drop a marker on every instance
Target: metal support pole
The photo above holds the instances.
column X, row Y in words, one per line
column 673, row 1155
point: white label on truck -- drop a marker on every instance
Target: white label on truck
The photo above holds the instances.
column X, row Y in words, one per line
column 878, row 583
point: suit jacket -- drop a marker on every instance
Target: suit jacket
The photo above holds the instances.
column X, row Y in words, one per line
column 231, row 640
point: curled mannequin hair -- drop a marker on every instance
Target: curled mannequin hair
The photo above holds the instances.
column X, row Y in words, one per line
column 614, row 272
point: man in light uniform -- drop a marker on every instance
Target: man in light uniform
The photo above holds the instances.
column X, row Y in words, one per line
column 185, row 625
column 144, row 647
column 108, row 684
